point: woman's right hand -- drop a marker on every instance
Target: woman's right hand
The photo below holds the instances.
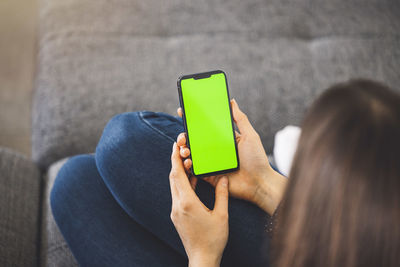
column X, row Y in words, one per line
column 255, row 181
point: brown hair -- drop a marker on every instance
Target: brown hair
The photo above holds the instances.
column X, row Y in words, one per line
column 342, row 203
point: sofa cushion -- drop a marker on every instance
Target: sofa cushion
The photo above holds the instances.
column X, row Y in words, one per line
column 19, row 210
column 101, row 58
column 54, row 250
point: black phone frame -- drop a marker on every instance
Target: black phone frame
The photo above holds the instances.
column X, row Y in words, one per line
column 197, row 76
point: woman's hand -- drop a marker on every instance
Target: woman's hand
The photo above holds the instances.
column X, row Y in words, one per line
column 203, row 232
column 255, row 181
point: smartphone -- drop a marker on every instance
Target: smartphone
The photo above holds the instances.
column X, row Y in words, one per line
column 207, row 119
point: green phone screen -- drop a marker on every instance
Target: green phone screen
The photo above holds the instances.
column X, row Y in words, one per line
column 209, row 124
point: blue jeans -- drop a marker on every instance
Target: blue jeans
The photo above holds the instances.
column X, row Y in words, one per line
column 113, row 207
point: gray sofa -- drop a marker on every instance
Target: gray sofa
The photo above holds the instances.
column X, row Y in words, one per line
column 100, row 58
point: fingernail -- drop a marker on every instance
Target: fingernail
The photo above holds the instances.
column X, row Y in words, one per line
column 224, row 181
column 173, row 147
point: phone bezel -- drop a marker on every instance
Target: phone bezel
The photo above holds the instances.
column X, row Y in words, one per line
column 204, row 75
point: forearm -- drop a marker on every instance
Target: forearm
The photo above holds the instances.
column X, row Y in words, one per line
column 270, row 191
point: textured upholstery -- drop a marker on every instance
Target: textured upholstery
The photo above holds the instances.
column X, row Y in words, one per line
column 54, row 249
column 99, row 58
column 19, row 210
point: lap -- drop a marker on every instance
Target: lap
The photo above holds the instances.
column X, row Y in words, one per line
column 133, row 158
column 96, row 228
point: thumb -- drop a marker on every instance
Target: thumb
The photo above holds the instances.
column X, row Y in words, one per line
column 241, row 119
column 221, row 195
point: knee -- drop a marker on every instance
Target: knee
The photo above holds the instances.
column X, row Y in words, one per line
column 118, row 131
column 66, row 189
column 119, row 128
column 118, row 138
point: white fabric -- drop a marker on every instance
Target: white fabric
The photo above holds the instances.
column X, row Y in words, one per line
column 285, row 147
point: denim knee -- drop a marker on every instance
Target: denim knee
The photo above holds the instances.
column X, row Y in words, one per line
column 66, row 187
column 129, row 131
column 119, row 137
column 128, row 136
column 118, row 131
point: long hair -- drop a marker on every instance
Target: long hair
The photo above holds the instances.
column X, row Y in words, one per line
column 342, row 203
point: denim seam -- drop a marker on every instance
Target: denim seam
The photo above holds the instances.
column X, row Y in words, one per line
column 154, row 128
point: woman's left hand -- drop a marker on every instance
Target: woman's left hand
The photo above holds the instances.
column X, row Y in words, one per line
column 204, row 232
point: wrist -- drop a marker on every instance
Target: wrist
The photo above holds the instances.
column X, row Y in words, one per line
column 270, row 191
column 204, row 260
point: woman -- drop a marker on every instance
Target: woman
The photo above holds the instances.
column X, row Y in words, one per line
column 341, row 206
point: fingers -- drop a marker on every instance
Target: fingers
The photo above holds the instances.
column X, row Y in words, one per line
column 221, row 196
column 179, row 111
column 184, row 152
column 241, row 119
column 179, row 181
column 187, row 164
column 181, row 140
